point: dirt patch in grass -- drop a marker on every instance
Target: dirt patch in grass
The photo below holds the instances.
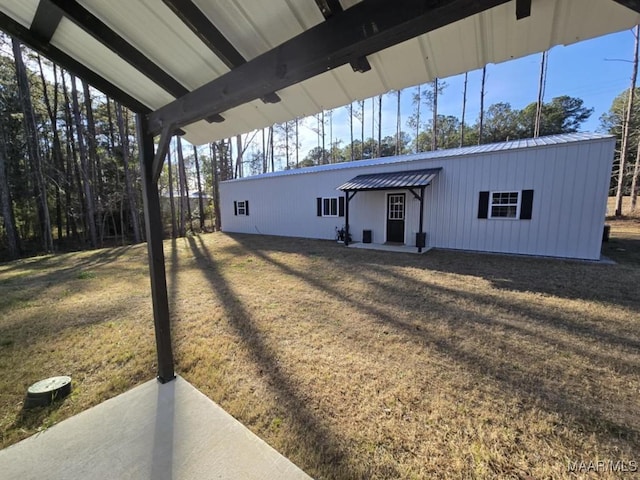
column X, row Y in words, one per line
column 353, row 363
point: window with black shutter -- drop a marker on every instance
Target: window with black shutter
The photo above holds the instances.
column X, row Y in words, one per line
column 330, row 206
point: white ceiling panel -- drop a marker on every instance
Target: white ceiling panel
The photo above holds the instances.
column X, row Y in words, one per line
column 74, row 41
column 299, row 100
column 255, row 27
column 166, row 41
column 21, row 11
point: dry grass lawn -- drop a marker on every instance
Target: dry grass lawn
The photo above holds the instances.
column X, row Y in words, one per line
column 355, row 364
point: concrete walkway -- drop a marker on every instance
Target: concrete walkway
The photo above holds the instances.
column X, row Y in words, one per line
column 155, row 432
column 388, row 248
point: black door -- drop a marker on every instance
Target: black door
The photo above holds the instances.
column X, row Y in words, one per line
column 395, row 217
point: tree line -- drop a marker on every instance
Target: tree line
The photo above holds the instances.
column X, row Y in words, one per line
column 69, row 167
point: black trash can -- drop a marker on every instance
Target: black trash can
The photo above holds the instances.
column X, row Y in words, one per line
column 366, row 236
column 606, row 233
column 421, row 239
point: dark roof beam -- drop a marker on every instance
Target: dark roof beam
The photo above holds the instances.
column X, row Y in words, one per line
column 361, row 65
column 15, row 29
column 45, row 21
column 363, row 29
column 329, row 8
column 271, row 98
column 632, row 4
column 215, row 118
column 523, row 9
column 114, row 42
column 200, row 25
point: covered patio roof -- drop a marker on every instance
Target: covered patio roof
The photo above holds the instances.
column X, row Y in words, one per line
column 215, row 69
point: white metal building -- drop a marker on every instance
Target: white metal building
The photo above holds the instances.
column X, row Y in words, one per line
column 544, row 196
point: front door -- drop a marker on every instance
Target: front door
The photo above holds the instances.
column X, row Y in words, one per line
column 395, row 217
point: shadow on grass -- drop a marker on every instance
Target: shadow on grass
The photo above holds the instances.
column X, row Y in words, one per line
column 571, row 279
column 321, row 449
column 39, row 417
column 469, row 341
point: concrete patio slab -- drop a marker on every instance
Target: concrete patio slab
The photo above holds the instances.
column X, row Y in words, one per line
column 154, row 431
column 388, row 248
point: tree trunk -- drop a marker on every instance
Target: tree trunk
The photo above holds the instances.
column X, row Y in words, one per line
column 418, row 119
column 332, row 157
column 362, row 130
column 264, row 153
column 379, row 125
column 199, row 181
column 634, row 180
column 351, row 129
column 216, row 187
column 324, row 154
column 84, row 169
column 32, row 147
column 95, row 164
column 131, row 197
column 434, row 140
column 172, row 206
column 239, row 157
column 373, row 127
column 538, row 120
column 464, row 108
column 273, row 165
column 111, row 148
column 6, row 205
column 182, row 181
column 52, row 111
column 398, row 123
column 480, row 131
column 286, row 143
column 71, row 164
column 625, row 127
column 297, row 146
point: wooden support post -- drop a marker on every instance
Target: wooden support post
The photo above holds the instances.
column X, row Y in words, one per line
column 153, row 224
column 346, row 219
column 421, row 215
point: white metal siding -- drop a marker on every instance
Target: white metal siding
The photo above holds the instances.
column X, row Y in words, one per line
column 569, row 180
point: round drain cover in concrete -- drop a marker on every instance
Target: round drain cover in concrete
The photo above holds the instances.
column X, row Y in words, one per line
column 45, row 391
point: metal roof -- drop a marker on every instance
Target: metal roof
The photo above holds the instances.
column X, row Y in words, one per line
column 391, row 180
column 520, row 144
column 170, row 49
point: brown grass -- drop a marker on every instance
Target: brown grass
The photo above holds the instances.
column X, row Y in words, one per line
column 355, row 364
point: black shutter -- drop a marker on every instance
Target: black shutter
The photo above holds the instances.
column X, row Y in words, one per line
column 319, row 206
column 341, row 206
column 246, row 207
column 235, row 208
column 526, row 205
column 483, row 205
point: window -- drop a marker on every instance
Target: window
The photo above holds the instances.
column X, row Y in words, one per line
column 330, row 206
column 396, row 207
column 241, row 207
column 505, row 204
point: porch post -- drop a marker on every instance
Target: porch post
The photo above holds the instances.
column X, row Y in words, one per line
column 346, row 218
column 154, row 230
column 421, row 214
